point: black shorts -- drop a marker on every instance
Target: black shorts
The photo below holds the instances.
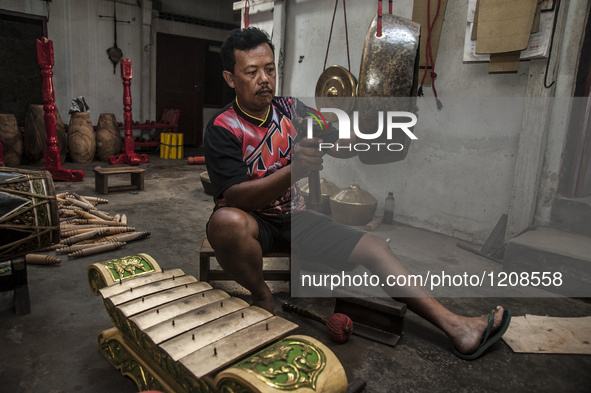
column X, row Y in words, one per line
column 310, row 236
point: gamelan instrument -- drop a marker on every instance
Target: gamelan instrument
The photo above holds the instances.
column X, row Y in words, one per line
column 388, row 81
column 29, row 219
column 176, row 334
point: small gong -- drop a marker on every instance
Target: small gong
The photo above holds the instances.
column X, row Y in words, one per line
column 336, row 88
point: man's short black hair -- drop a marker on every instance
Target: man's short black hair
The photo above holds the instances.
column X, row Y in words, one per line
column 242, row 39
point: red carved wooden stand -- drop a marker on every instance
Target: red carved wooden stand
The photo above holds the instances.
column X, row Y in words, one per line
column 129, row 157
column 52, row 152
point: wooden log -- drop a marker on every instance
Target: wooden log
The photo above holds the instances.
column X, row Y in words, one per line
column 37, row 259
column 81, row 214
column 78, row 246
column 108, row 137
column 81, row 139
column 97, row 199
column 95, row 250
column 116, row 230
column 83, row 199
column 83, row 221
column 67, row 232
column 101, row 214
column 83, row 205
column 129, row 237
column 82, row 236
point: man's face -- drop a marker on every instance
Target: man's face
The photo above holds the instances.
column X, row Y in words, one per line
column 253, row 79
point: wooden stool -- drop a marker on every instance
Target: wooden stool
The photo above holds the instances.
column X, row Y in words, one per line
column 101, row 179
column 207, row 274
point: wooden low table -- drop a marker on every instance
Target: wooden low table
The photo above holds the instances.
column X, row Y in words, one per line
column 101, row 179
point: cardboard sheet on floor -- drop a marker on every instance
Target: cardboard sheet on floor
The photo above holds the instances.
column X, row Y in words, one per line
column 543, row 334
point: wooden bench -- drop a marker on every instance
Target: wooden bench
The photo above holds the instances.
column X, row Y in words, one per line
column 207, row 274
column 101, row 179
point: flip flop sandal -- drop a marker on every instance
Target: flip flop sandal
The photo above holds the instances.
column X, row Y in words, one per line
column 488, row 339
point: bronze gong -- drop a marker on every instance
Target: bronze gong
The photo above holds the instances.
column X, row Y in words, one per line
column 388, row 81
column 336, row 88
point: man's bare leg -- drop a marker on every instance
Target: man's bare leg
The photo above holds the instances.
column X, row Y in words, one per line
column 233, row 235
column 466, row 333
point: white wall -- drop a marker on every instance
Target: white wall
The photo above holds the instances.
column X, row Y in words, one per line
column 458, row 176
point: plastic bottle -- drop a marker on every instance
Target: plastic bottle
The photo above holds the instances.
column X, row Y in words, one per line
column 389, row 209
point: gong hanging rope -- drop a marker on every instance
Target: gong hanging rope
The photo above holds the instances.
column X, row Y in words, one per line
column 379, row 27
column 346, row 34
column 429, row 54
column 246, row 15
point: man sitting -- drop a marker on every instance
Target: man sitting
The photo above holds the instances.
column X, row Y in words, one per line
column 254, row 164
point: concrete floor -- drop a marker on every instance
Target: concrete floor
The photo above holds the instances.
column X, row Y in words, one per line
column 53, row 349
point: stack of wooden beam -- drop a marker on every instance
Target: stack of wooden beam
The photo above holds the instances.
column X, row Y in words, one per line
column 86, row 230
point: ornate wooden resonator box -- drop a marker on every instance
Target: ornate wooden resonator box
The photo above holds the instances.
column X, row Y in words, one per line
column 176, row 334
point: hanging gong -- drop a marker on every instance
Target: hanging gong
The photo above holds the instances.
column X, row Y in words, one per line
column 336, row 88
column 388, row 81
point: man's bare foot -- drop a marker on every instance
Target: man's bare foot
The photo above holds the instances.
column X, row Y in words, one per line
column 468, row 334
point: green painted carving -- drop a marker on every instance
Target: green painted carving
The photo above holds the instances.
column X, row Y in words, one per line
column 120, row 357
column 128, row 267
column 287, row 365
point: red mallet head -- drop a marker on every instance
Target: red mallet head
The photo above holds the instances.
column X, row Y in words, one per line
column 339, row 328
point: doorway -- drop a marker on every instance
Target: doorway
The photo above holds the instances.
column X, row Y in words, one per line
column 189, row 78
column 20, row 79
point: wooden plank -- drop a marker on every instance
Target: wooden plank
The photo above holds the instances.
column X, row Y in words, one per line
column 126, row 285
column 116, row 170
column 148, row 289
column 227, row 350
column 165, row 312
column 179, row 324
column 183, row 345
column 160, row 299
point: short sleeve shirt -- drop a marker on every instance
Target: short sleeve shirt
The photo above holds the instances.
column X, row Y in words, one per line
column 241, row 148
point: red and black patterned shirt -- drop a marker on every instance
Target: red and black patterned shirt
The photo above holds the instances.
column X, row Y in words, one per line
column 239, row 148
